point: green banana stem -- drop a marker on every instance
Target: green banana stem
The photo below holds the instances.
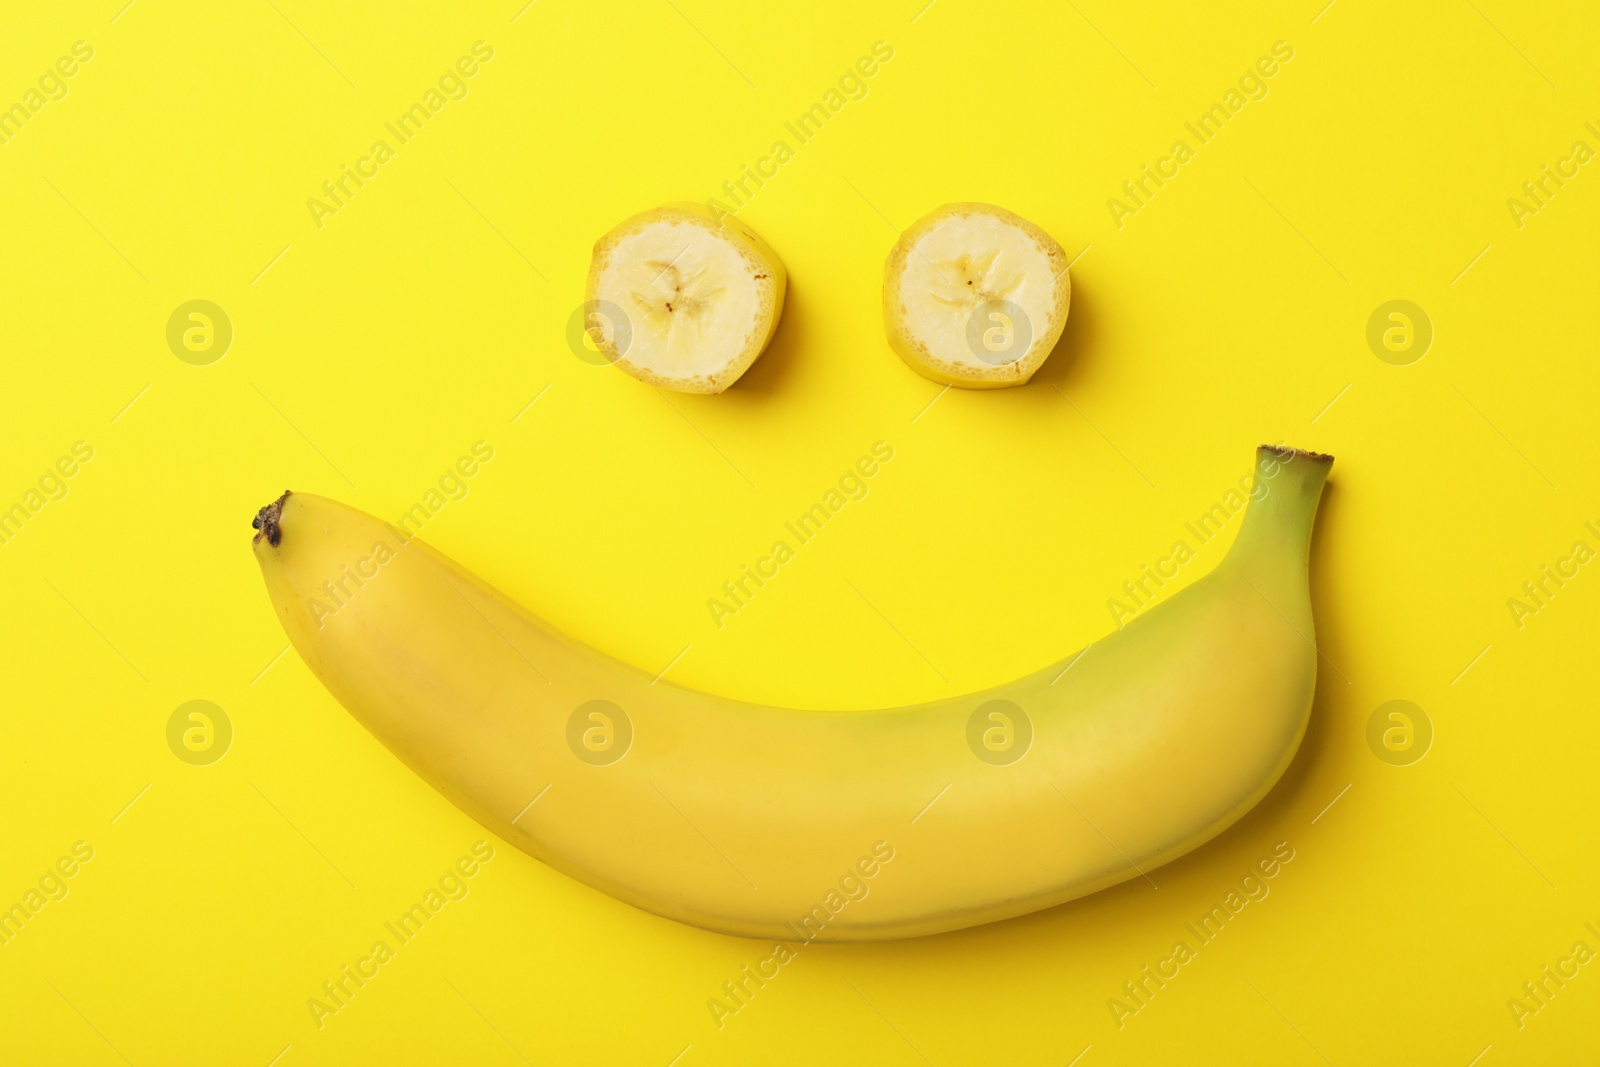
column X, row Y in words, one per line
column 1283, row 507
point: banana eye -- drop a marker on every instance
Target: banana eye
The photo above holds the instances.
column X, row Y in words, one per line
column 975, row 296
column 689, row 298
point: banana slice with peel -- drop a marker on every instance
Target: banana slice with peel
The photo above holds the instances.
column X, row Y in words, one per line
column 975, row 296
column 810, row 825
column 682, row 300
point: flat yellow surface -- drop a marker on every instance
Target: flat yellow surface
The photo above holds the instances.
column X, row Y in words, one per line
column 375, row 344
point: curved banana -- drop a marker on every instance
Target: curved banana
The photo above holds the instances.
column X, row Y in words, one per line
column 803, row 825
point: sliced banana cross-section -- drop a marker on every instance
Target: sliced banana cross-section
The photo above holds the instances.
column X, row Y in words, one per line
column 682, row 300
column 975, row 296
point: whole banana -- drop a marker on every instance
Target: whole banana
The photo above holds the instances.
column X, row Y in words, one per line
column 768, row 822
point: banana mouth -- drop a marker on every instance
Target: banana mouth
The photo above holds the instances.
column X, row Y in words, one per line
column 266, row 522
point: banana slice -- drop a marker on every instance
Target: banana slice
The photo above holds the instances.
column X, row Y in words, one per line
column 680, row 300
column 975, row 296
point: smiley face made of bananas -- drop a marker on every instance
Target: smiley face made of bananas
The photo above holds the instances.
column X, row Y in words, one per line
column 740, row 818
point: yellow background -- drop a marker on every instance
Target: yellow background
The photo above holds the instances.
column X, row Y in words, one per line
column 370, row 353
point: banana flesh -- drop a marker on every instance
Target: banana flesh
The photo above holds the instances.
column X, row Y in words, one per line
column 682, row 299
column 847, row 825
column 975, row 296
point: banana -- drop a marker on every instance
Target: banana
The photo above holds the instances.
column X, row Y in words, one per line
column 855, row 825
column 682, row 300
column 975, row 296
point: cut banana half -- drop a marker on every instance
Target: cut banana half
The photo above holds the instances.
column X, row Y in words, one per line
column 975, row 296
column 683, row 300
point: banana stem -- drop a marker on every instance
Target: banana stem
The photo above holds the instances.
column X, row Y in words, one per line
column 1283, row 505
column 266, row 521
